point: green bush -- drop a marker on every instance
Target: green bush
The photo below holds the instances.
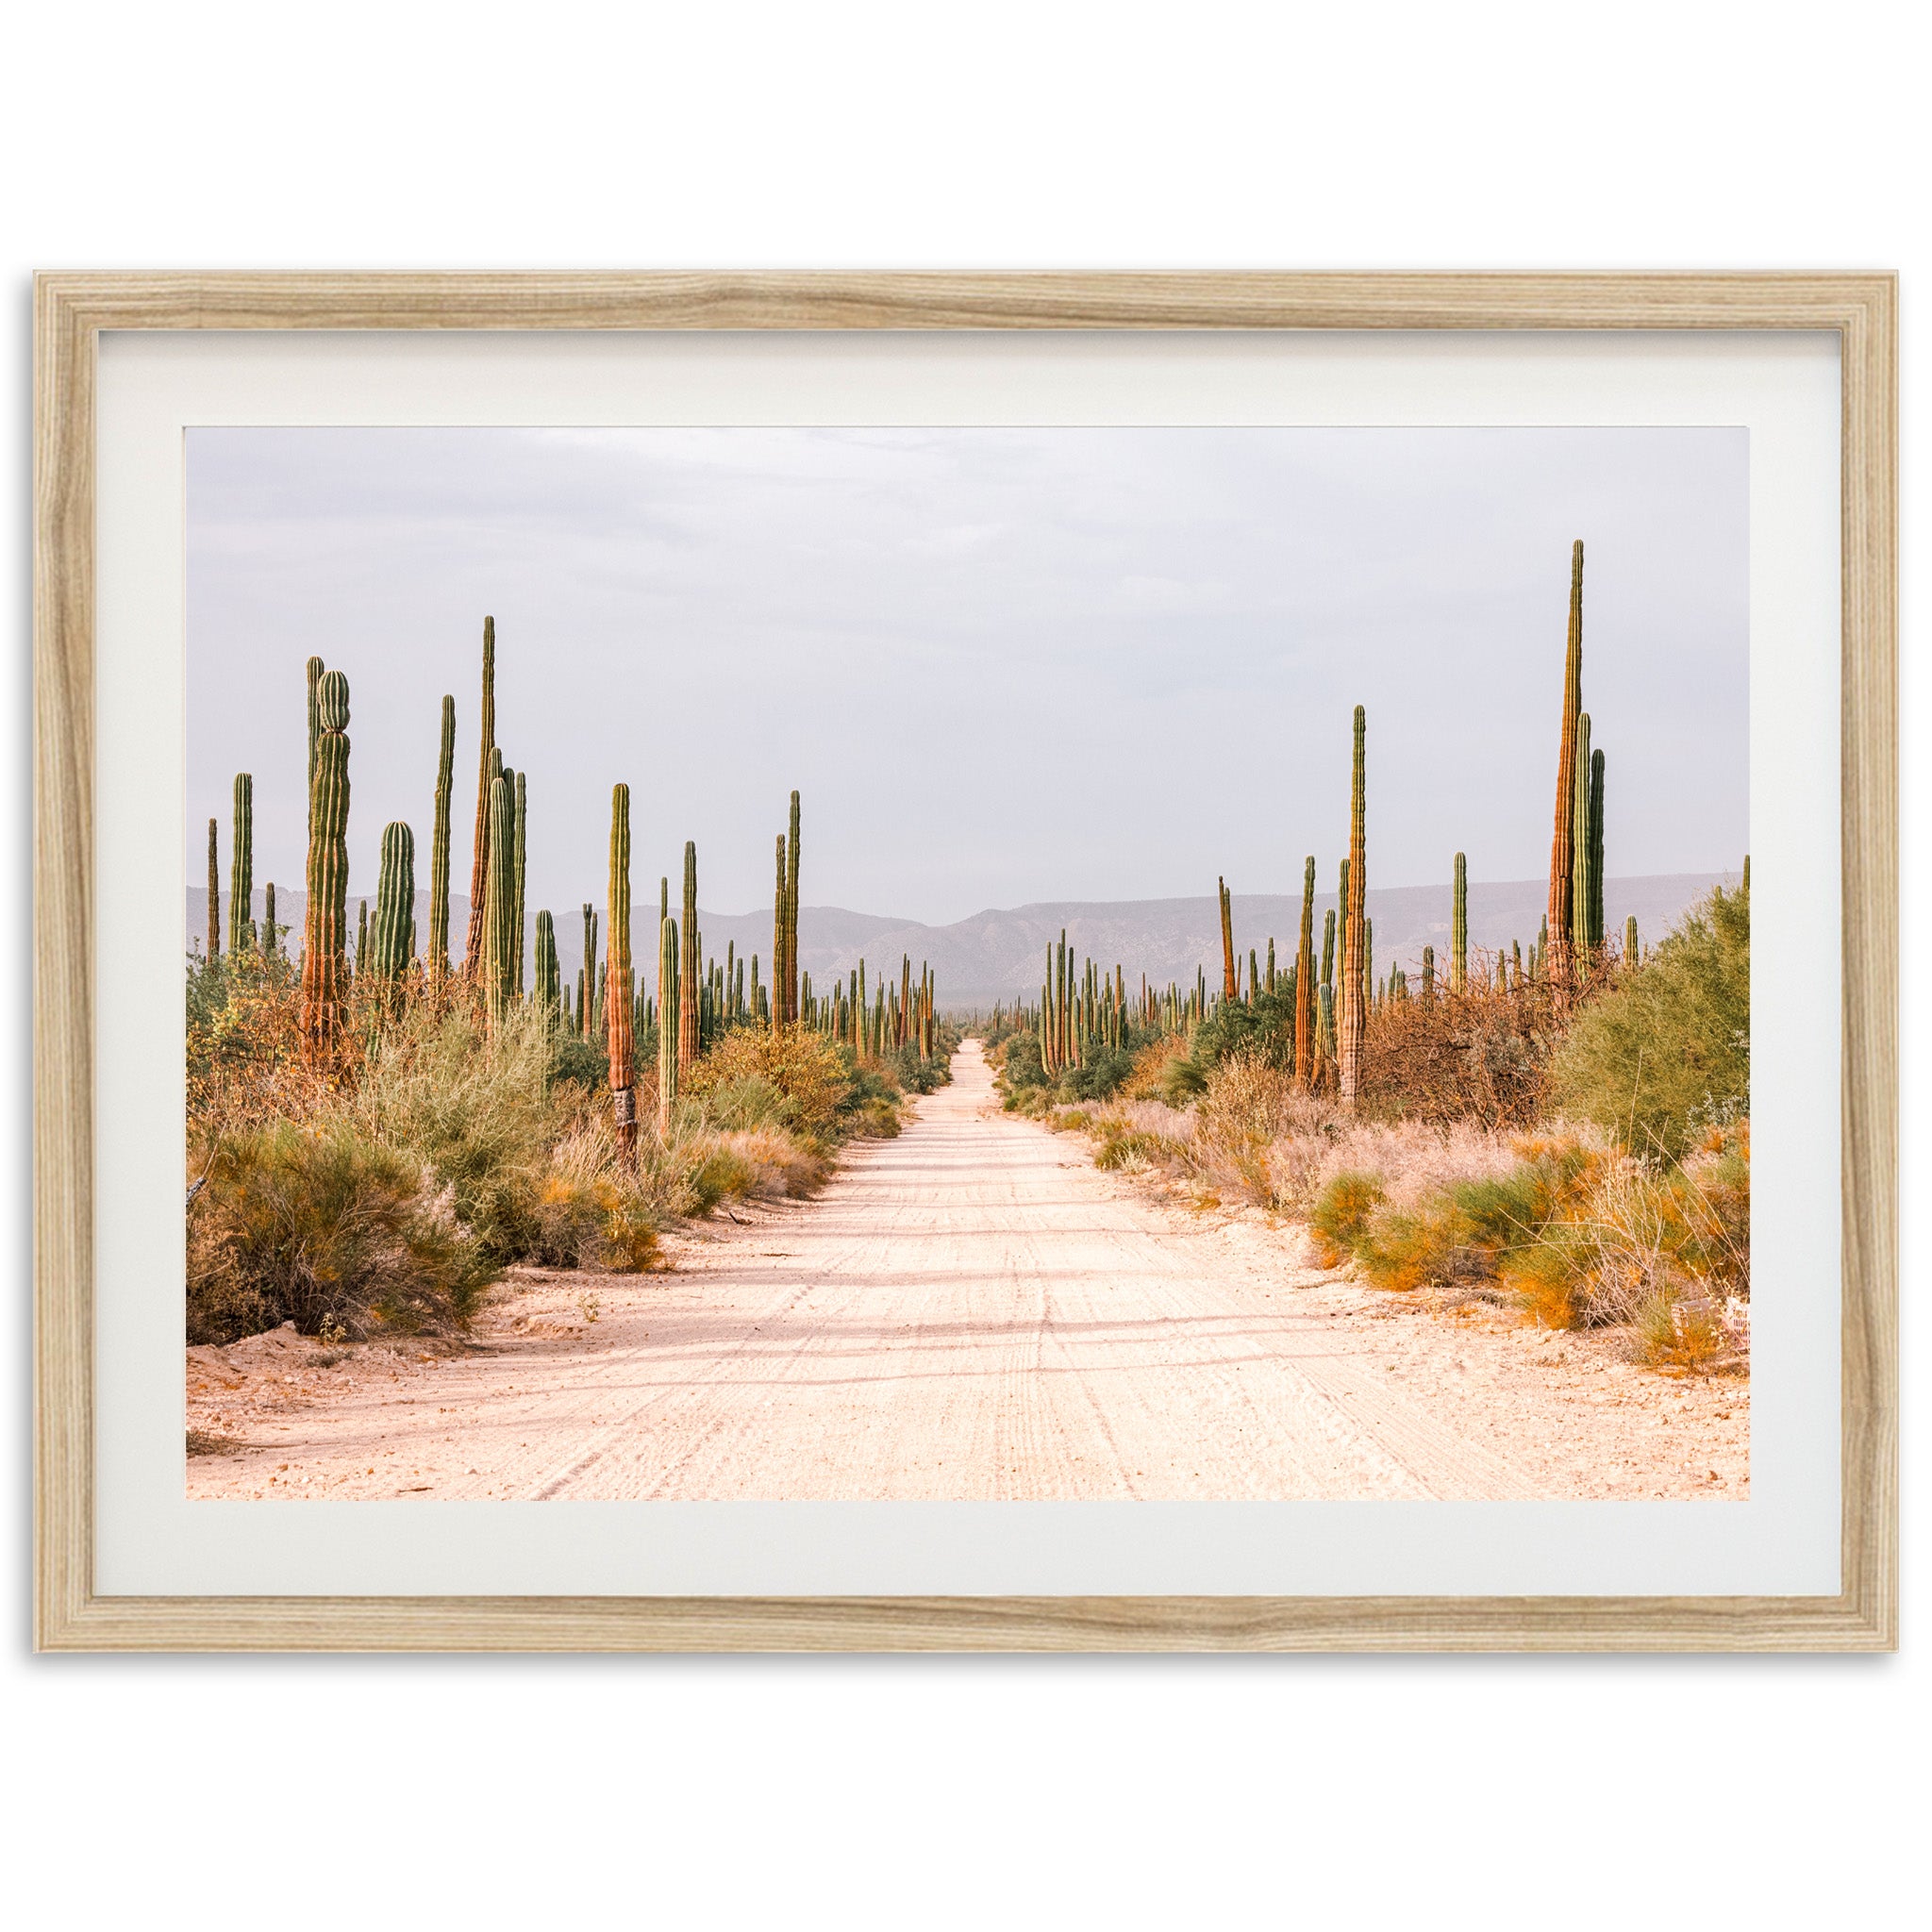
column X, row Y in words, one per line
column 299, row 1224
column 1664, row 1056
column 1341, row 1212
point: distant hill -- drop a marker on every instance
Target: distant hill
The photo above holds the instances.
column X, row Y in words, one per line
column 1001, row 954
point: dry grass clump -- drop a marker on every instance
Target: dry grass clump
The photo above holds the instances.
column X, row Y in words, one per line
column 1149, row 1078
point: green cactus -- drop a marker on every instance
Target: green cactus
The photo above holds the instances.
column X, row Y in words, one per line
column 1224, row 901
column 324, row 975
column 242, row 866
column 395, row 903
column 1350, row 1022
column 215, row 895
column 1458, row 929
column 498, row 969
column 623, row 1049
column 1328, row 947
column 313, row 672
column 1304, row 981
column 670, row 1003
column 1631, row 955
column 439, row 846
column 1428, row 975
column 1579, row 850
column 1595, row 895
column 549, row 974
column 517, row 888
column 791, row 1005
column 360, row 968
column 268, row 920
column 778, row 924
column 485, row 775
column 690, row 967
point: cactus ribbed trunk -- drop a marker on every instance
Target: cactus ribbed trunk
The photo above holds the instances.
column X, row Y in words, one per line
column 622, row 1045
column 497, row 970
column 1595, row 873
column 1305, row 982
column 1351, row 1022
column 517, row 874
column 479, row 844
column 268, row 920
column 241, row 866
column 437, row 961
column 1579, row 855
column 778, row 922
column 688, row 966
column 1226, row 901
column 313, row 672
column 549, row 975
column 214, row 892
column 1458, row 929
column 669, row 1003
column 791, row 1006
column 1630, row 952
column 325, row 973
column 395, row 904
column 1558, row 965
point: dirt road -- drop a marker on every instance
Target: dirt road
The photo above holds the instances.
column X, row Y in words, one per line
column 970, row 1312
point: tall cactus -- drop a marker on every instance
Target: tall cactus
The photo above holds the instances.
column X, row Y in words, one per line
column 1428, row 975
column 439, row 846
column 586, row 979
column 1458, row 930
column 480, row 843
column 313, row 672
column 517, row 873
column 1579, row 853
column 325, row 975
column 1595, row 895
column 670, row 1002
column 1304, row 981
column 1328, row 947
column 1630, row 952
column 1351, row 1022
column 497, row 970
column 778, row 934
column 360, row 968
column 688, row 966
column 1560, row 960
column 549, row 974
column 618, row 976
column 268, row 920
column 791, row 919
column 1224, row 903
column 215, row 895
column 242, row 866
column 395, row 903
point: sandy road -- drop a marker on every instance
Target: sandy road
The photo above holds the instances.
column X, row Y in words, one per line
column 971, row 1311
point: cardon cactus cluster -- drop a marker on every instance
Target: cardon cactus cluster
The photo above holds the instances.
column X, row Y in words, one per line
column 324, row 973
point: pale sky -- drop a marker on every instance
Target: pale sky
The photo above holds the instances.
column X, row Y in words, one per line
column 1001, row 665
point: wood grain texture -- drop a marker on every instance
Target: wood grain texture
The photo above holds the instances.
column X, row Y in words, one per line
column 71, row 310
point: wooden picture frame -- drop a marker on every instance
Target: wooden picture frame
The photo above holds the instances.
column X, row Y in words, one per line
column 72, row 311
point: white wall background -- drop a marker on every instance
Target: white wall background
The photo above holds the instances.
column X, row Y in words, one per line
column 1357, row 1792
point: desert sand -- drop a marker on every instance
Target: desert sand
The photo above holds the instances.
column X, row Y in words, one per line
column 971, row 1311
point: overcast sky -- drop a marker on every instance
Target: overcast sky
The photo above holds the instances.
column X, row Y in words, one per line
column 1001, row 665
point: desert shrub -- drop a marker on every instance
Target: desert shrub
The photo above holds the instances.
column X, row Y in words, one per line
column 824, row 1090
column 302, row 1224
column 1341, row 1212
column 1145, row 1082
column 749, row 1101
column 1665, row 1054
column 1404, row 1248
column 586, row 1063
column 1119, row 1146
column 1020, row 1066
column 1247, row 1104
column 1479, row 1055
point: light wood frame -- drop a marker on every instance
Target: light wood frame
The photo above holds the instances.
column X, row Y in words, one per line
column 71, row 312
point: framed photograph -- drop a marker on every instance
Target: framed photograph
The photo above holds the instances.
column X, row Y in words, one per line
column 1188, row 1083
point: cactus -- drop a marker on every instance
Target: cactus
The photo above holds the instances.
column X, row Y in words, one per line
column 1631, row 956
column 669, row 1005
column 1458, row 929
column 1559, row 962
column 1368, row 958
column 1429, row 975
column 479, row 844
column 268, row 920
column 1595, row 897
column 395, row 903
column 1304, row 981
column 242, row 866
column 214, row 895
column 1328, row 947
column 325, row 978
column 688, row 966
column 439, row 846
column 313, row 672
column 497, row 967
column 779, row 923
column 549, row 974
column 1579, row 855
column 360, row 968
column 1351, row 1020
column 517, row 889
column 618, row 976
column 792, row 1008
column 1327, row 1022
column 586, row 991
column 1226, row 902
